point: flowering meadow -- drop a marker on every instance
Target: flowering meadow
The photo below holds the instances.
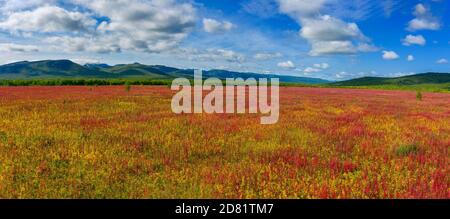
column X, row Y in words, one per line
column 111, row 142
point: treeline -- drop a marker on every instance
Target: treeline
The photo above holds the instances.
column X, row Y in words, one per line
column 106, row 82
column 81, row 82
column 436, row 88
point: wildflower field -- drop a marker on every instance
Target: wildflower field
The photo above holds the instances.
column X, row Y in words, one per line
column 112, row 142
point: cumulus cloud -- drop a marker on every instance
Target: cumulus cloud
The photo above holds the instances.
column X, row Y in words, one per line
column 322, row 65
column 423, row 24
column 424, row 20
column 414, row 40
column 327, row 28
column 301, row 8
column 342, row 74
column 287, row 64
column 442, row 61
column 318, row 67
column 18, row 5
column 47, row 19
column 211, row 55
column 326, row 34
column 390, row 55
column 420, row 10
column 12, row 47
column 148, row 26
column 332, row 48
column 80, row 44
column 229, row 55
column 267, row 56
column 214, row 26
column 134, row 25
column 311, row 70
column 410, row 58
column 86, row 60
column 365, row 47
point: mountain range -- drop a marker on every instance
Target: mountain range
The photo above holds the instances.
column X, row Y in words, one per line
column 66, row 69
column 61, row 69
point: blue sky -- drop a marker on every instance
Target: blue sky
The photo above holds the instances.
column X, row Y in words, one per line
column 329, row 39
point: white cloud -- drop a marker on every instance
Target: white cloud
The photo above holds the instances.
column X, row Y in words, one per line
column 286, row 64
column 84, row 60
column 322, row 65
column 229, row 55
column 423, row 24
column 420, row 10
column 18, row 5
column 399, row 74
column 301, row 8
column 442, row 61
column 388, row 7
column 47, row 19
column 364, row 47
column 267, row 56
column 424, row 20
column 311, row 70
column 329, row 35
column 414, row 40
column 390, row 55
column 332, row 48
column 12, row 47
column 148, row 26
column 319, row 67
column 410, row 58
column 214, row 26
column 327, row 28
column 79, row 44
column 212, row 55
column 342, row 74
column 326, row 34
column 135, row 25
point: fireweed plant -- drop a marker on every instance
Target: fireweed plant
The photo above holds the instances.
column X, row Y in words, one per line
column 214, row 101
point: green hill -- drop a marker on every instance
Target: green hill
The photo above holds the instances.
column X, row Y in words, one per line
column 426, row 78
column 47, row 69
column 66, row 69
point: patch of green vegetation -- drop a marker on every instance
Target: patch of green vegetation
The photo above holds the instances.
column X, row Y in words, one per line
column 82, row 82
column 3, row 136
column 441, row 88
column 127, row 86
column 45, row 141
column 427, row 82
column 426, row 78
column 435, row 88
column 419, row 96
column 407, row 149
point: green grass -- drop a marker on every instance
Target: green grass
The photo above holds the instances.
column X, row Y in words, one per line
column 408, row 149
column 425, row 78
column 437, row 88
column 419, row 96
column 127, row 86
column 82, row 82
